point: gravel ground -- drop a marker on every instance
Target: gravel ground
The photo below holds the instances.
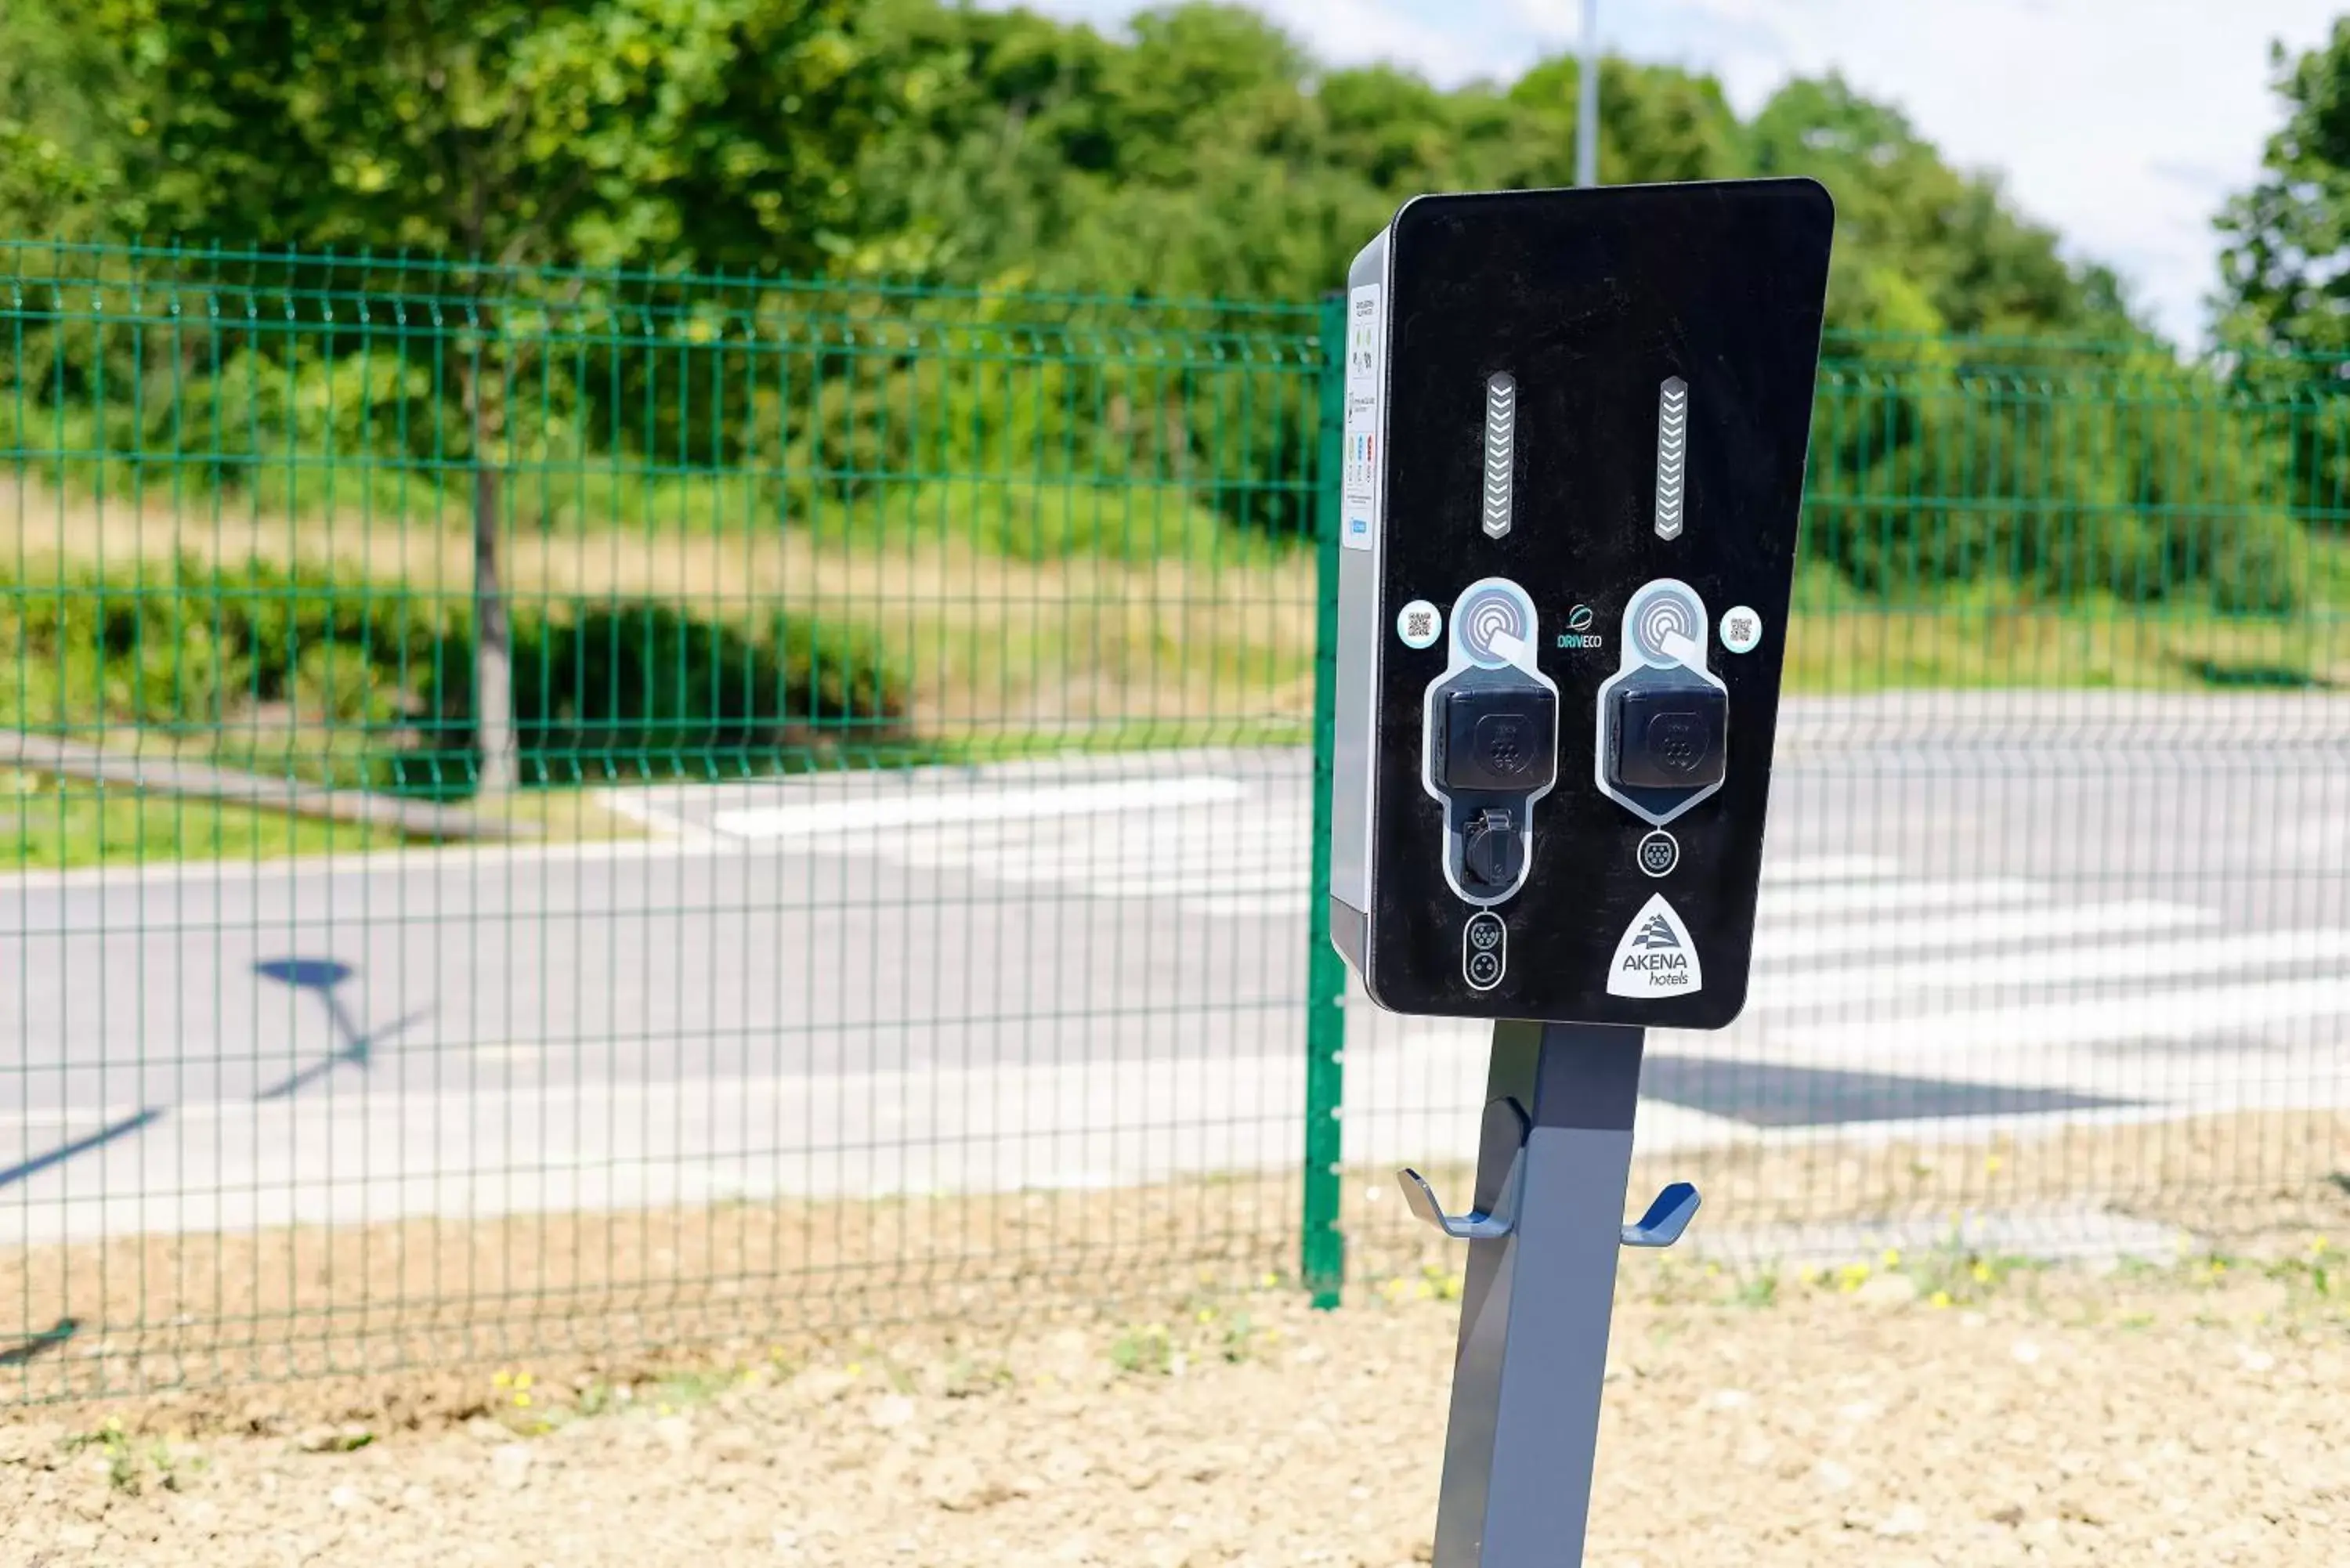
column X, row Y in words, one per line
column 1894, row 1412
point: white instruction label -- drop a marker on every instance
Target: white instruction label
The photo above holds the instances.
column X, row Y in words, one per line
column 1656, row 957
column 1358, row 469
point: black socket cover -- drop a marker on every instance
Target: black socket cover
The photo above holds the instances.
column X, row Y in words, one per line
column 1498, row 739
column 1668, row 736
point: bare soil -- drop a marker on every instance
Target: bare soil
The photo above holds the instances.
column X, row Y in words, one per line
column 1886, row 1413
column 1130, row 1378
column 189, row 1321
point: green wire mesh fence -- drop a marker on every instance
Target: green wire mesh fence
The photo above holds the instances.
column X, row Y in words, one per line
column 570, row 813
column 567, row 813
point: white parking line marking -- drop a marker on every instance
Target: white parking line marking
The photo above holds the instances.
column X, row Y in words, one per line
column 818, row 817
column 2057, row 967
column 1975, row 931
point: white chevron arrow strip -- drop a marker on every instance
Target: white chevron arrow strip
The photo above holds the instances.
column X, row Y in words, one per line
column 1501, row 433
column 1672, row 454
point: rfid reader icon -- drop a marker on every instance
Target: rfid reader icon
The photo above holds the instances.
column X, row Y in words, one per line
column 1496, row 624
column 1666, row 624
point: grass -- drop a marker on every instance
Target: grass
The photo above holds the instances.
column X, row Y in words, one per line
column 1013, row 655
column 1006, row 653
column 49, row 825
column 998, row 649
column 1841, row 642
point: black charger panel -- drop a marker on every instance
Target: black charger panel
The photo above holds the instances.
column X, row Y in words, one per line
column 1595, row 409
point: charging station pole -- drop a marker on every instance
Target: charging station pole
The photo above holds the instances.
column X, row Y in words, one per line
column 1524, row 1426
column 1576, row 424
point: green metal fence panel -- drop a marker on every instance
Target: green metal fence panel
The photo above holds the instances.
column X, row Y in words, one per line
column 558, row 813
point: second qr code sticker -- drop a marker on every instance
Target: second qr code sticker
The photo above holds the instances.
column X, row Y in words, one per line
column 1419, row 624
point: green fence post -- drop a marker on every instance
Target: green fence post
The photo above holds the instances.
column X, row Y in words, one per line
column 1323, row 1249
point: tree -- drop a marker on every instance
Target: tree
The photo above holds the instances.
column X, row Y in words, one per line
column 1201, row 153
column 1912, row 231
column 2283, row 304
column 507, row 132
column 1206, row 152
column 2282, row 284
column 57, row 174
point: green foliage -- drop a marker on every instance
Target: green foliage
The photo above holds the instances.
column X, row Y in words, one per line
column 1144, row 1350
column 2070, row 474
column 1200, row 155
column 1922, row 249
column 710, row 405
column 1073, row 520
column 603, row 691
column 295, row 673
column 614, row 131
column 2283, row 286
column 2284, row 298
column 59, row 160
column 1206, row 154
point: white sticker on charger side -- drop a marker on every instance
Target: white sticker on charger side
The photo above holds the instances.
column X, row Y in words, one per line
column 1358, row 468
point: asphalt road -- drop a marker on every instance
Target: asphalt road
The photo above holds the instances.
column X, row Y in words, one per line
column 1977, row 908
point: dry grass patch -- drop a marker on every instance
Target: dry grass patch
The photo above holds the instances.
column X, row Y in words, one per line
column 992, row 645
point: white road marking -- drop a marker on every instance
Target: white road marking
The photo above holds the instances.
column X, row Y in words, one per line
column 819, row 818
column 2179, row 1013
column 634, row 806
column 1837, row 898
column 2057, row 967
column 1298, row 883
column 1805, row 941
column 1825, row 869
column 1258, row 906
column 1836, row 928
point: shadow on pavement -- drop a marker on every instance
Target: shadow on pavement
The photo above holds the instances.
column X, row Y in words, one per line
column 26, row 1168
column 322, row 976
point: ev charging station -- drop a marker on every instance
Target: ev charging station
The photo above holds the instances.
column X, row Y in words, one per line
column 1574, row 433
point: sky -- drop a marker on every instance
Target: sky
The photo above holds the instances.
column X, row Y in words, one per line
column 2122, row 124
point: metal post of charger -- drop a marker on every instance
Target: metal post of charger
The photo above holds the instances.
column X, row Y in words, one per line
column 1551, row 1167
